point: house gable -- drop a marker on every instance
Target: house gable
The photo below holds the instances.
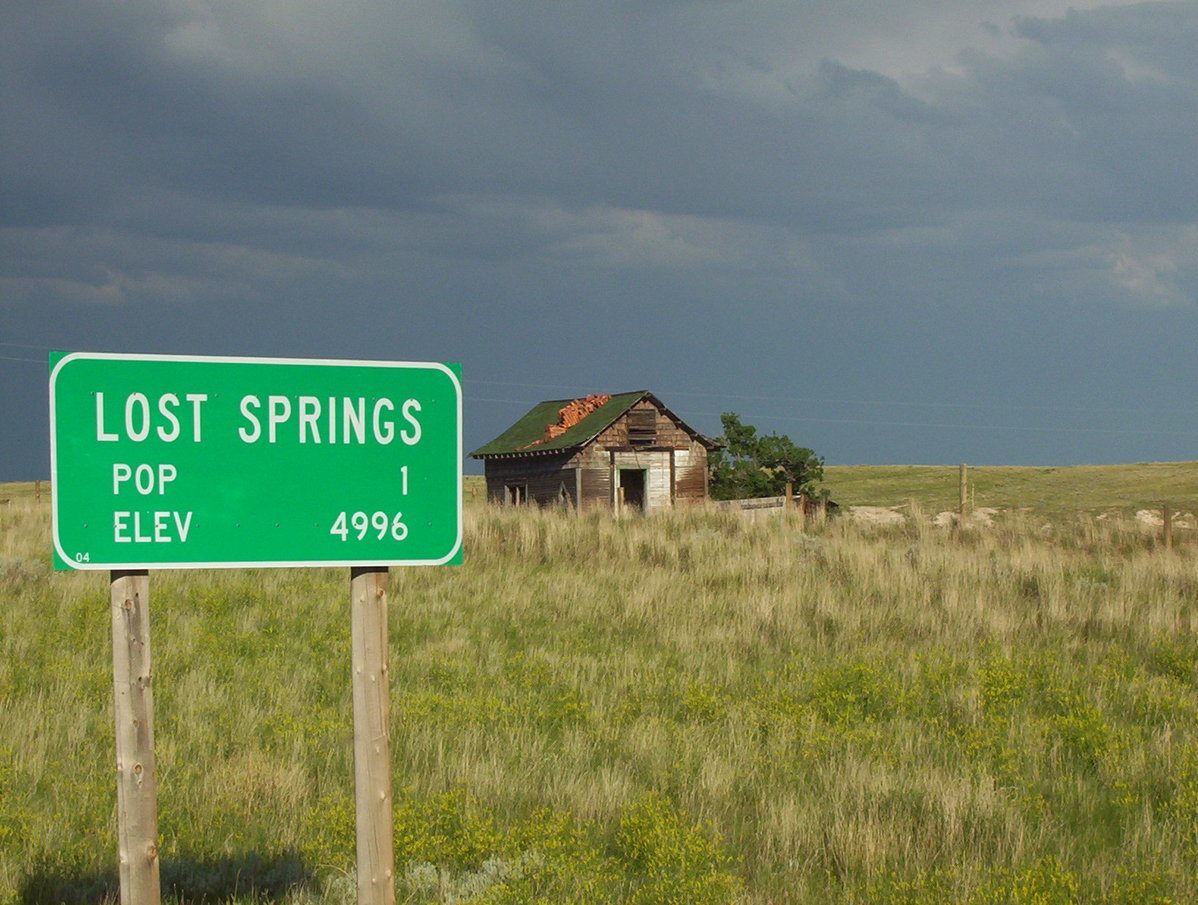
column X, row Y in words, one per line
column 649, row 425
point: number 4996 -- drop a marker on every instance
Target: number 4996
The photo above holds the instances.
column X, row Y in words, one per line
column 361, row 524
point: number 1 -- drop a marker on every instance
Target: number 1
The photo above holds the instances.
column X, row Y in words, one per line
column 403, row 480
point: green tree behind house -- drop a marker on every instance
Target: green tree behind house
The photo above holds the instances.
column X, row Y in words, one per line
column 751, row 465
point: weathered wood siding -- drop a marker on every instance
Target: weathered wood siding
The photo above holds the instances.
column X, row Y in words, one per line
column 684, row 478
column 545, row 477
column 596, row 476
column 690, row 472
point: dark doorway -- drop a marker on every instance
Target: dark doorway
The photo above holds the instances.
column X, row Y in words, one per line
column 632, row 482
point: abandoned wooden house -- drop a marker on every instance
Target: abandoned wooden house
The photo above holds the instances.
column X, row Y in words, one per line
column 598, row 450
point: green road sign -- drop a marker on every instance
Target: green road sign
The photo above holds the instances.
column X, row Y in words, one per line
column 162, row 461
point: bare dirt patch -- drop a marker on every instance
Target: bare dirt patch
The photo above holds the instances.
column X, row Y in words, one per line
column 877, row 515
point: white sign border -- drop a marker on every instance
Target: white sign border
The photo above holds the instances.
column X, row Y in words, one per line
column 229, row 359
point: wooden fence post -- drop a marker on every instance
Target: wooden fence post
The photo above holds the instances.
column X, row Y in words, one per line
column 133, row 698
column 1167, row 517
column 620, row 502
column 963, row 509
column 372, row 735
column 787, row 500
column 37, row 490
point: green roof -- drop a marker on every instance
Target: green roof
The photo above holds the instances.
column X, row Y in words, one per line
column 519, row 437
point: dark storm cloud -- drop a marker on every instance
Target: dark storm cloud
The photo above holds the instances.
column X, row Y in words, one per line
column 669, row 110
column 790, row 177
column 644, row 111
column 147, row 115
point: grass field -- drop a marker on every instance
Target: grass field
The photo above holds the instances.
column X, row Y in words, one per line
column 1047, row 490
column 687, row 708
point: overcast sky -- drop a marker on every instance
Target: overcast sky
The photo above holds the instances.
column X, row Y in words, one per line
column 896, row 230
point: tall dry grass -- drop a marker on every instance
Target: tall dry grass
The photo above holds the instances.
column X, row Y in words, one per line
column 684, row 708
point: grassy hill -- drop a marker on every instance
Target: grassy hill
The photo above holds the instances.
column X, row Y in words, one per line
column 1050, row 490
column 693, row 708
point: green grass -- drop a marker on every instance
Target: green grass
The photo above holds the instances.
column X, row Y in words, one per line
column 1047, row 490
column 685, row 709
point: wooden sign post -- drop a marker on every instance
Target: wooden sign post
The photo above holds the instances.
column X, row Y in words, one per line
column 372, row 735
column 136, row 780
column 963, row 506
column 1167, row 520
